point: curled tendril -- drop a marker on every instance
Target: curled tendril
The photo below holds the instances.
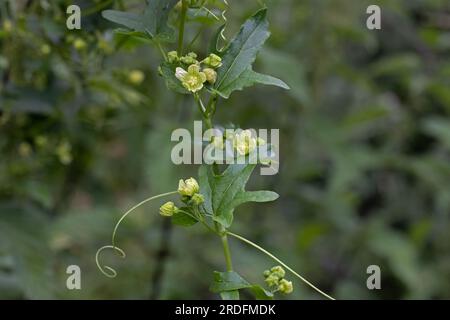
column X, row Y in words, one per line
column 224, row 17
column 111, row 273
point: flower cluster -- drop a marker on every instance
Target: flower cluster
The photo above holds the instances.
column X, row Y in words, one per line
column 244, row 142
column 194, row 78
column 189, row 190
column 274, row 278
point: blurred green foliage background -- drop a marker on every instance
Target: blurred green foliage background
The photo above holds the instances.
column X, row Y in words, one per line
column 85, row 124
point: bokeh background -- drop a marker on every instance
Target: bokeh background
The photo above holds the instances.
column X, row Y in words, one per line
column 85, row 124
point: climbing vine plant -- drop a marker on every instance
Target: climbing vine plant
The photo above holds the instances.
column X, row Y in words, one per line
column 210, row 200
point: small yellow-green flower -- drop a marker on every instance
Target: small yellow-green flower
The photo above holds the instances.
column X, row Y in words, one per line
column 192, row 79
column 168, row 209
column 285, row 286
column 213, row 60
column 211, row 75
column 244, row 143
column 136, row 77
column 172, row 57
column 188, row 187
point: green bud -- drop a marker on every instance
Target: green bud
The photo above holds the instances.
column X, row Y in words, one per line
column 285, row 286
column 272, row 280
column 168, row 209
column 190, row 58
column 192, row 55
column 266, row 273
column 172, row 57
column 213, row 60
column 278, row 271
column 197, row 199
column 211, row 75
column 188, row 188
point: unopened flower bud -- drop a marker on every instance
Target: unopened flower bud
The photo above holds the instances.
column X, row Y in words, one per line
column 213, row 60
column 190, row 58
column 197, row 199
column 188, row 188
column 211, row 75
column 278, row 271
column 272, row 280
column 168, row 209
column 172, row 57
column 285, row 286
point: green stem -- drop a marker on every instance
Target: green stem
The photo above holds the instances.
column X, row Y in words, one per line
column 280, row 262
column 227, row 252
column 207, row 118
column 184, row 7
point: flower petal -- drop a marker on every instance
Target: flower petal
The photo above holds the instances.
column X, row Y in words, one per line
column 180, row 73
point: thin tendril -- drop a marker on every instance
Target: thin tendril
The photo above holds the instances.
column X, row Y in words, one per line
column 107, row 270
column 224, row 17
column 280, row 262
column 134, row 208
column 112, row 273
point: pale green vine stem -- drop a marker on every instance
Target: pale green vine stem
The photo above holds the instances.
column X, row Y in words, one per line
column 280, row 262
column 111, row 273
column 134, row 208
